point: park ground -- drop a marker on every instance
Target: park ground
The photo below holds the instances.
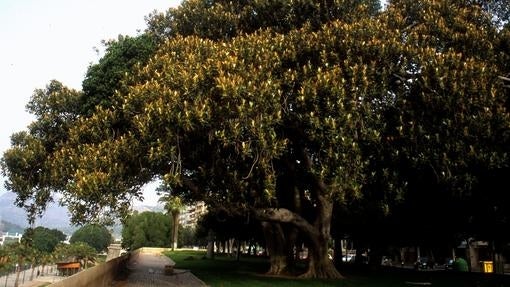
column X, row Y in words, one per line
column 226, row 271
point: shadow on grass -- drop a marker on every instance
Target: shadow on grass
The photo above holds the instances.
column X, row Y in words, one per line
column 250, row 271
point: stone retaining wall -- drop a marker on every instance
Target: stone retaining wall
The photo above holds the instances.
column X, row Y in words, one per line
column 104, row 274
column 100, row 275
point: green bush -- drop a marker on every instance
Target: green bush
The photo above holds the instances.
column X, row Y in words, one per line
column 460, row 265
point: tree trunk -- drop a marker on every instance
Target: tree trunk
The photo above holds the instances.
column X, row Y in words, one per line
column 275, row 241
column 175, row 229
column 358, row 259
column 499, row 263
column 210, row 244
column 320, row 266
column 229, row 247
column 337, row 252
column 472, row 258
column 238, row 254
column 32, row 273
column 18, row 271
column 375, row 255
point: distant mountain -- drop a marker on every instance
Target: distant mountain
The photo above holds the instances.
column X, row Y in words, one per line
column 6, row 226
column 142, row 208
column 56, row 216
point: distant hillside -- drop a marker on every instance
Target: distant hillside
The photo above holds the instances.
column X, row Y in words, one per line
column 6, row 226
column 55, row 216
column 142, row 208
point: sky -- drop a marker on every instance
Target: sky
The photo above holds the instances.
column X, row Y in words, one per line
column 57, row 39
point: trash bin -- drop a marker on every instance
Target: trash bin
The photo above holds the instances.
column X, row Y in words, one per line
column 487, row 266
column 169, row 269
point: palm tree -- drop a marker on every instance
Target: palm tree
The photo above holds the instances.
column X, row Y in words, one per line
column 173, row 206
column 4, row 257
column 20, row 252
column 46, row 259
column 35, row 257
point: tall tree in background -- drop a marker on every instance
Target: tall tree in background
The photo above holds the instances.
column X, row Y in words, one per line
column 173, row 206
column 44, row 239
column 97, row 236
column 150, row 229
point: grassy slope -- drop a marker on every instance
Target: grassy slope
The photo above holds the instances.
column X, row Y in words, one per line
column 226, row 272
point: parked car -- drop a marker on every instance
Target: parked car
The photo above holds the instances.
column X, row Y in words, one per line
column 348, row 258
column 448, row 264
column 386, row 261
column 422, row 263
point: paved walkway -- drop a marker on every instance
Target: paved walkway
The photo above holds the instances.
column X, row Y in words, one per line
column 24, row 280
column 148, row 270
column 42, row 281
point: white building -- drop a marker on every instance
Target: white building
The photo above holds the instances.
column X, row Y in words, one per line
column 191, row 213
column 10, row 237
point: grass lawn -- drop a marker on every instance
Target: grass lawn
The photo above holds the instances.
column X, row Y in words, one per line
column 226, row 272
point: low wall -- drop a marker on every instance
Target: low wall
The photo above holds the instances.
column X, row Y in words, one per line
column 152, row 250
column 100, row 275
column 104, row 274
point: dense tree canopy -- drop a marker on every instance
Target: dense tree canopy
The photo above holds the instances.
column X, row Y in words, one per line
column 146, row 229
column 76, row 251
column 223, row 20
column 104, row 78
column 27, row 163
column 97, row 236
column 44, row 239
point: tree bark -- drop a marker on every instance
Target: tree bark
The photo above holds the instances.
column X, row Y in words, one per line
column 375, row 255
column 32, row 273
column 18, row 271
column 249, row 247
column 318, row 233
column 210, row 244
column 320, row 266
column 358, row 259
column 230, row 247
column 175, row 229
column 275, row 241
column 337, row 252
column 238, row 253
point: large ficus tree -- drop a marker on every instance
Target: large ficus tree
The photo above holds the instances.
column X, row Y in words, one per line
column 285, row 117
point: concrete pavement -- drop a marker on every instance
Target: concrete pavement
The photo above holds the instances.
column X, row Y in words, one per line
column 147, row 269
column 24, row 279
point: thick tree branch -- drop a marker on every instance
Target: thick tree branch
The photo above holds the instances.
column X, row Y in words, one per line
column 504, row 78
column 284, row 215
column 319, row 190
